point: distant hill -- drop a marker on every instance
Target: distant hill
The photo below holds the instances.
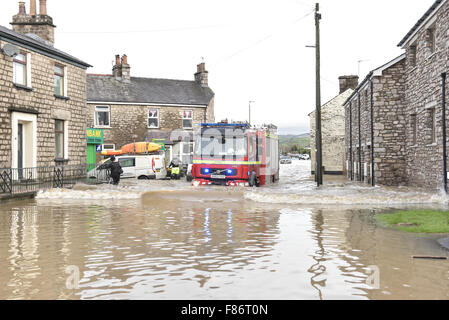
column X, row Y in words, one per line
column 288, row 141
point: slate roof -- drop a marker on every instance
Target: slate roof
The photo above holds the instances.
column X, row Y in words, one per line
column 39, row 46
column 420, row 21
column 105, row 88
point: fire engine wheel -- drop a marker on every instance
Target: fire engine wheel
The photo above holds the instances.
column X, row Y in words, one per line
column 253, row 180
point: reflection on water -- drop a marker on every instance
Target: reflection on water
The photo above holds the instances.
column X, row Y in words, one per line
column 166, row 241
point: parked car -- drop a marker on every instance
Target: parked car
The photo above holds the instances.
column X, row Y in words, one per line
column 286, row 160
column 134, row 166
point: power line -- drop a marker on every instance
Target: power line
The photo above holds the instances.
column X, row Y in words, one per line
column 146, row 31
column 256, row 43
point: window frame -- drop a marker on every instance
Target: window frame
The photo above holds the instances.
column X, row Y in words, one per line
column 433, row 121
column 433, row 39
column 63, row 138
column 62, row 75
column 414, row 53
column 108, row 144
column 25, row 70
column 414, row 127
column 158, row 111
column 186, row 118
column 96, row 125
column 189, row 154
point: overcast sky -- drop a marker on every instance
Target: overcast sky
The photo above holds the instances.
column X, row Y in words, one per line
column 254, row 50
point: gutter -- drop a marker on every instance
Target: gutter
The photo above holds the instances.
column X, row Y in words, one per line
column 443, row 91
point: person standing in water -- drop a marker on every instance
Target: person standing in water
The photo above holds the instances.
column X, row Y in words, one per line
column 116, row 170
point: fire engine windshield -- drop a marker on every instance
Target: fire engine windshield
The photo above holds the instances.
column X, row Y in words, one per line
column 221, row 147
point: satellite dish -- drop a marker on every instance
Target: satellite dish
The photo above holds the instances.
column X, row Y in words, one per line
column 10, row 50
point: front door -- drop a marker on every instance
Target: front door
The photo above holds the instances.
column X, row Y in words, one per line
column 20, row 150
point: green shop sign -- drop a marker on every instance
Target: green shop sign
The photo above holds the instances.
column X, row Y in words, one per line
column 94, row 136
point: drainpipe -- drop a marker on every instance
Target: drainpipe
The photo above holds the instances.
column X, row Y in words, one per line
column 350, row 141
column 443, row 90
column 373, row 183
column 360, row 140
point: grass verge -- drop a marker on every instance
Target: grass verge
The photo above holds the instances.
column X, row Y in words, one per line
column 419, row 221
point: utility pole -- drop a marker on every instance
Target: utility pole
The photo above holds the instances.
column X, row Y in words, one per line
column 319, row 152
column 249, row 107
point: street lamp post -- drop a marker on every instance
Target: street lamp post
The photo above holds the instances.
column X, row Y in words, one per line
column 249, row 107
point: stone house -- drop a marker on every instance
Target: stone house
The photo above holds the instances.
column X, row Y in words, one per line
column 136, row 109
column 427, row 50
column 332, row 129
column 375, row 117
column 404, row 102
column 42, row 95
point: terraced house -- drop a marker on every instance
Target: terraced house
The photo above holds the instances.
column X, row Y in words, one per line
column 132, row 109
column 42, row 95
column 396, row 120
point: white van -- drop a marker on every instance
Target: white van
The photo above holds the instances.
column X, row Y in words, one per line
column 134, row 166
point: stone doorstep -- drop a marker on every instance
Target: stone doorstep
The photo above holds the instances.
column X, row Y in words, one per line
column 19, row 196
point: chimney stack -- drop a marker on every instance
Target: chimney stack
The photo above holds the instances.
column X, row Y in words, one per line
column 122, row 70
column 43, row 7
column 33, row 11
column 348, row 82
column 22, row 10
column 202, row 75
column 41, row 25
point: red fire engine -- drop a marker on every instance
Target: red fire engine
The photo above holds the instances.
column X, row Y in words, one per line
column 236, row 155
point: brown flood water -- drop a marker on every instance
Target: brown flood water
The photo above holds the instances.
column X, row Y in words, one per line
column 138, row 242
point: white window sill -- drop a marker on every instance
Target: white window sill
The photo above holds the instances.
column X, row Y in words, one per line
column 432, row 145
column 102, row 127
column 153, row 128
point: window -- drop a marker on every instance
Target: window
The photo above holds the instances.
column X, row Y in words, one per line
column 433, row 135
column 59, row 139
column 59, row 80
column 20, row 69
column 412, row 53
column 186, row 152
column 109, row 147
column 127, row 162
column 187, row 119
column 414, row 127
column 102, row 116
column 153, row 119
column 432, row 39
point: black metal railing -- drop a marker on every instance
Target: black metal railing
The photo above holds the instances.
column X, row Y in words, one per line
column 24, row 180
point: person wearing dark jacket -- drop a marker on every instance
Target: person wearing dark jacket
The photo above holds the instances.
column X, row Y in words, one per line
column 116, row 170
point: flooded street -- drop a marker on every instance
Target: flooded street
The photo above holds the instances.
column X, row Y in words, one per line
column 168, row 240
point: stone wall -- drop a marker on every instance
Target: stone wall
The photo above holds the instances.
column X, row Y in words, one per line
column 130, row 120
column 42, row 100
column 333, row 134
column 422, row 96
column 389, row 129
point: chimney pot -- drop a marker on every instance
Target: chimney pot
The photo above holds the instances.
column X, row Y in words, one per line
column 43, row 7
column 117, row 59
column 33, row 7
column 125, row 59
column 22, row 9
